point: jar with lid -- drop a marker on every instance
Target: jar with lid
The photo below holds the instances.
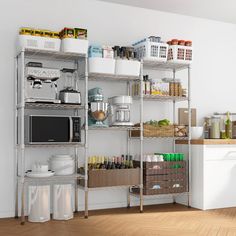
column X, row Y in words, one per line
column 215, row 127
column 207, row 127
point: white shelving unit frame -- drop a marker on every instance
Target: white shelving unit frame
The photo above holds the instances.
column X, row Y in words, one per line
column 171, row 67
column 20, row 106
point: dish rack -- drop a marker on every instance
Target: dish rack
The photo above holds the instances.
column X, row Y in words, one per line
column 148, row 50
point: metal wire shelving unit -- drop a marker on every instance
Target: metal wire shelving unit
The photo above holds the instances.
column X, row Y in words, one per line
column 22, row 181
column 170, row 67
column 124, row 79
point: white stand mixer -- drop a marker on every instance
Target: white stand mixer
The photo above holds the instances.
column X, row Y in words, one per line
column 120, row 110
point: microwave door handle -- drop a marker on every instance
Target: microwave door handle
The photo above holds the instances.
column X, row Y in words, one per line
column 71, row 129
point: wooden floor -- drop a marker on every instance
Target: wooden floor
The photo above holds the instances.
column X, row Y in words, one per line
column 156, row 220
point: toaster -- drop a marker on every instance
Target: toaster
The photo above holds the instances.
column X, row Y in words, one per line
column 71, row 96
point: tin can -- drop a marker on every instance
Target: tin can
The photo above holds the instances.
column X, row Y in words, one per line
column 26, row 31
column 67, row 33
column 81, row 33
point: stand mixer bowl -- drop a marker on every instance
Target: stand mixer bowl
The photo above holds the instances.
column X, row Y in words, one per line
column 98, row 111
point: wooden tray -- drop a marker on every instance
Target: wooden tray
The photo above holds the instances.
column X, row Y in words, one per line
column 109, row 178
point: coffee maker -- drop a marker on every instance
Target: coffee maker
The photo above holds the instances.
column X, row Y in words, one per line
column 41, row 84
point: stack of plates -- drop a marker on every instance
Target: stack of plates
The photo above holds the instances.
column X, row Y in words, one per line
column 31, row 174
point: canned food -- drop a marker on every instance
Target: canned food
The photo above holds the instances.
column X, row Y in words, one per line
column 174, row 42
column 67, row 33
column 37, row 32
column 56, row 35
column 188, row 43
column 81, row 33
column 181, row 42
column 47, row 33
column 26, row 31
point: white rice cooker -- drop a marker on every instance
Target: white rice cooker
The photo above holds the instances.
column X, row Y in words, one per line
column 62, row 164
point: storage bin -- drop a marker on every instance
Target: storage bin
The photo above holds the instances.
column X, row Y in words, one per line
column 163, row 177
column 39, row 43
column 62, row 202
column 72, row 45
column 147, row 50
column 127, row 67
column 153, row 131
column 180, row 54
column 109, row 178
column 39, row 203
column 101, row 65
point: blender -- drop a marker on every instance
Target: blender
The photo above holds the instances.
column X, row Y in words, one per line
column 98, row 110
column 120, row 110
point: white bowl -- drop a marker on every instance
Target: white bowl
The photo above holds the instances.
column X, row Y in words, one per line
column 197, row 132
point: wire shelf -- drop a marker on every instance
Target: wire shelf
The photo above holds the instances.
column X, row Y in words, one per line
column 54, row 178
column 166, row 66
column 114, row 128
column 162, row 138
column 52, row 145
column 52, row 55
column 162, row 98
column 111, row 77
column 53, row 106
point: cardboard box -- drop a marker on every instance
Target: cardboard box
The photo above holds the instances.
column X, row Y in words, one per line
column 183, row 116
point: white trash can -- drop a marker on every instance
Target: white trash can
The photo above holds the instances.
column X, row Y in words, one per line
column 39, row 203
column 62, row 202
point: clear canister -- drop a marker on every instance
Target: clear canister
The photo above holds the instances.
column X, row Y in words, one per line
column 215, row 127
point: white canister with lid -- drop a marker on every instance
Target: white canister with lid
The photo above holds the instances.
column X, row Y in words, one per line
column 62, row 164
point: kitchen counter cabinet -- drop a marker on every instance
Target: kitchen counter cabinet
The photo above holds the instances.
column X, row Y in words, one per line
column 213, row 174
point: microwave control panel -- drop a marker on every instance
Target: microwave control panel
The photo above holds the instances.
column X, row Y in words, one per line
column 76, row 129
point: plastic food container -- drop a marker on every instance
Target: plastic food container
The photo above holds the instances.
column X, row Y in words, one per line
column 101, row 65
column 39, row 43
column 72, row 45
column 127, row 67
column 62, row 164
column 148, row 50
column 62, row 202
column 95, row 51
column 39, row 203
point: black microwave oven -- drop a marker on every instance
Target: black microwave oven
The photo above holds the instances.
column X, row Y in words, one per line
column 44, row 129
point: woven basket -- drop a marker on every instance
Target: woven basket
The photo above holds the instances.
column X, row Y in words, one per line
column 153, row 131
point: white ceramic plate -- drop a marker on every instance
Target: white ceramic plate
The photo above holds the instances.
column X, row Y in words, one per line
column 39, row 175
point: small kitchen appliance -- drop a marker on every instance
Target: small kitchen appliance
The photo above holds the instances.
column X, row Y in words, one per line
column 46, row 129
column 120, row 110
column 41, row 85
column 98, row 109
column 70, row 93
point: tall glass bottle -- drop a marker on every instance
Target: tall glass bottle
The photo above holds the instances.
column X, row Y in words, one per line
column 228, row 126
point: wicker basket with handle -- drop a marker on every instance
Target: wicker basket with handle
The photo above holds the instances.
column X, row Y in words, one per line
column 154, row 131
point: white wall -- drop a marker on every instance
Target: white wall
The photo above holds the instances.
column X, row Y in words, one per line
column 213, row 79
